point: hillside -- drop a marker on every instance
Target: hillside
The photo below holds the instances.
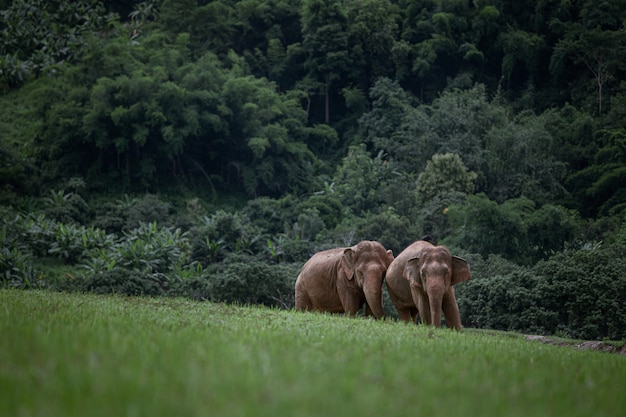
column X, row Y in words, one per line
column 71, row 355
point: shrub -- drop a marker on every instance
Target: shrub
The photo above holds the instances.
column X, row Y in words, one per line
column 17, row 270
column 151, row 249
column 36, row 233
column 123, row 281
column 586, row 289
column 221, row 233
column 150, row 208
column 195, row 288
column 67, row 207
column 246, row 280
column 110, row 217
column 579, row 294
column 270, row 215
column 68, row 242
column 501, row 301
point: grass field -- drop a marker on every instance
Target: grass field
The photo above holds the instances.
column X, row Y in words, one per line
column 86, row 355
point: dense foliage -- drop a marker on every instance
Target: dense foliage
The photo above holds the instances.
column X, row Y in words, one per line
column 208, row 148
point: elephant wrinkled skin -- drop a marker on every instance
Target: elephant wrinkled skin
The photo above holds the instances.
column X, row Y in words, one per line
column 420, row 280
column 341, row 280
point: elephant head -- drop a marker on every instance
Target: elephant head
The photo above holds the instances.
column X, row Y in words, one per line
column 366, row 264
column 431, row 276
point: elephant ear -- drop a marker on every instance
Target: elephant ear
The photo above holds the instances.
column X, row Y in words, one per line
column 460, row 270
column 347, row 263
column 389, row 257
column 412, row 272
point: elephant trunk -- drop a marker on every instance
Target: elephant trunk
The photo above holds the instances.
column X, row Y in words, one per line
column 374, row 297
column 435, row 298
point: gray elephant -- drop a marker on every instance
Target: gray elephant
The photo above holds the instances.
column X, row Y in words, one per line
column 341, row 280
column 420, row 280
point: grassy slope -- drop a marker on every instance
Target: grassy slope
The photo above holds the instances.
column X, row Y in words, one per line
column 86, row 355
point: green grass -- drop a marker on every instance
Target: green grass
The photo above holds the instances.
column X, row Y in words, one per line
column 86, row 355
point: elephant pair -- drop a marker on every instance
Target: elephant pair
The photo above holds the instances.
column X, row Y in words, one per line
column 420, row 281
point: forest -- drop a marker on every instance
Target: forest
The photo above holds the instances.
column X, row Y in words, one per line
column 206, row 149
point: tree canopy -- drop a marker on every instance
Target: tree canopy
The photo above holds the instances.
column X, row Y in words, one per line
column 252, row 96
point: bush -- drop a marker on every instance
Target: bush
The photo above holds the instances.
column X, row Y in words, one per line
column 221, row 233
column 150, row 208
column 123, row 281
column 270, row 215
column 110, row 217
column 586, row 289
column 68, row 242
column 17, row 270
column 35, row 234
column 67, row 207
column 501, row 302
column 151, row 249
column 246, row 280
column 579, row 294
column 197, row 287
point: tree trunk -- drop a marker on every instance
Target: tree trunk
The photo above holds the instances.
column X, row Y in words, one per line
column 326, row 102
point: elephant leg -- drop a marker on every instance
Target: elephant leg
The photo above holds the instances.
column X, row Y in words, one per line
column 405, row 314
column 303, row 301
column 351, row 303
column 451, row 310
column 423, row 306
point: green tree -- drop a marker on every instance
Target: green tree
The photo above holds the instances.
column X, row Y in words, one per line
column 444, row 173
column 372, row 30
column 460, row 120
column 211, row 26
column 267, row 136
column 437, row 44
column 596, row 42
column 269, row 37
column 360, row 179
column 483, row 226
column 519, row 161
column 39, row 36
column 325, row 43
column 522, row 51
column 598, row 188
column 396, row 126
column 550, row 229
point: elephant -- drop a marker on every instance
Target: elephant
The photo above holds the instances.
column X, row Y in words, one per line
column 420, row 280
column 340, row 280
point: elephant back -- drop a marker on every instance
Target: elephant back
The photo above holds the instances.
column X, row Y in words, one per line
column 396, row 269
